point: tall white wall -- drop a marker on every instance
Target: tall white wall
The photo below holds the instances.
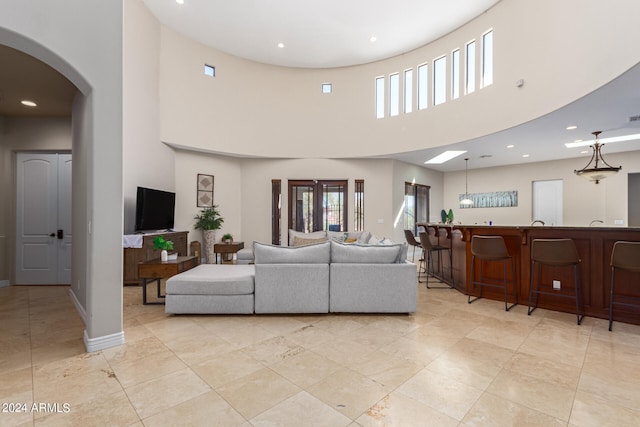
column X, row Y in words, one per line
column 563, row 51
column 146, row 161
column 243, row 191
column 228, row 184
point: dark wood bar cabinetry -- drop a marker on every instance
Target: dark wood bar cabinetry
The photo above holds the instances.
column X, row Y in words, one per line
column 594, row 245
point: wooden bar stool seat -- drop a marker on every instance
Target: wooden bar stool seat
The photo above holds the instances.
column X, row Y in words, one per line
column 491, row 249
column 625, row 256
column 555, row 253
column 428, row 249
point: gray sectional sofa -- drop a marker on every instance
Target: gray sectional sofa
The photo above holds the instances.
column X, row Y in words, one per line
column 318, row 278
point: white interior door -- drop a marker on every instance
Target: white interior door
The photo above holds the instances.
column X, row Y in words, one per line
column 43, row 219
column 547, row 201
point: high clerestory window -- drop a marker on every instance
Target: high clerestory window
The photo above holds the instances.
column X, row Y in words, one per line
column 408, row 90
column 379, row 97
column 487, row 58
column 440, row 80
column 423, row 84
column 455, row 74
column 394, row 94
column 470, row 68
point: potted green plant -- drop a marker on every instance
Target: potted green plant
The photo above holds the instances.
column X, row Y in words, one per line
column 227, row 238
column 209, row 220
column 159, row 242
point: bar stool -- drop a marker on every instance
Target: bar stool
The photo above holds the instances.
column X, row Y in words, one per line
column 555, row 253
column 427, row 257
column 411, row 240
column 625, row 256
column 492, row 249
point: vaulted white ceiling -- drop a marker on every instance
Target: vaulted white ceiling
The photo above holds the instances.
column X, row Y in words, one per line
column 316, row 33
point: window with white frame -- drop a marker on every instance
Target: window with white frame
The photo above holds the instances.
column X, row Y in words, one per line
column 408, row 90
column 440, row 80
column 470, row 69
column 394, row 94
column 379, row 97
column 455, row 74
column 487, row 58
column 423, row 83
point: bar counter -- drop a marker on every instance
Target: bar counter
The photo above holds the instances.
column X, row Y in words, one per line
column 594, row 245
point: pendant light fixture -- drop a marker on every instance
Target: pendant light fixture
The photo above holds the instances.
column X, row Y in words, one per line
column 597, row 171
column 466, row 202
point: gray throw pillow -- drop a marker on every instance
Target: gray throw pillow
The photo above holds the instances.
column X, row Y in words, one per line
column 310, row 254
column 365, row 254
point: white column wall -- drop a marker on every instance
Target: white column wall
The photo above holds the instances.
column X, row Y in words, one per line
column 83, row 41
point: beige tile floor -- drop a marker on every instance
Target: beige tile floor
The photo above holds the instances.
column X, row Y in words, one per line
column 449, row 364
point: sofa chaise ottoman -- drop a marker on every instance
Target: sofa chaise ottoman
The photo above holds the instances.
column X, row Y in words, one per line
column 212, row 289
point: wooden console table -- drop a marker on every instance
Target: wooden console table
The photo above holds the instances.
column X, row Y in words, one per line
column 226, row 248
column 133, row 256
column 157, row 270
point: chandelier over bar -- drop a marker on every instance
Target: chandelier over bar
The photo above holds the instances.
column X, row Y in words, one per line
column 597, row 171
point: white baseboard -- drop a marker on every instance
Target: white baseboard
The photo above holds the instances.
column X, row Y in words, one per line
column 4, row 283
column 100, row 343
column 79, row 307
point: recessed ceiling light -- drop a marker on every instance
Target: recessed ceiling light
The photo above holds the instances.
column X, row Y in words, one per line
column 28, row 103
column 180, row 1
column 572, row 127
column 525, row 155
column 584, row 152
column 510, row 146
column 444, row 157
column 280, row 45
column 372, row 39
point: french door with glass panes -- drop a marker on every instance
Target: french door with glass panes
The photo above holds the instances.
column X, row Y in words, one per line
column 316, row 205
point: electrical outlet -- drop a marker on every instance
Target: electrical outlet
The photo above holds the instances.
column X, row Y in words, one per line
column 556, row 284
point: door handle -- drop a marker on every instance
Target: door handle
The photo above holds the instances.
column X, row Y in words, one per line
column 52, row 235
column 60, row 234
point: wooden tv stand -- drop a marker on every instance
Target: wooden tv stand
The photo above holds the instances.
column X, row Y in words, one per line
column 133, row 256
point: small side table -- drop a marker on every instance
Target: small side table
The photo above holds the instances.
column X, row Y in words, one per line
column 156, row 269
column 226, row 248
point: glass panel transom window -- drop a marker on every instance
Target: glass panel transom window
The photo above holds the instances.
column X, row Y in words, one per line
column 423, row 81
column 470, row 80
column 379, row 97
column 487, row 59
column 408, row 91
column 440, row 80
column 455, row 74
column 394, row 94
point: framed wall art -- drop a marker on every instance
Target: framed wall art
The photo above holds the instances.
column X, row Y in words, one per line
column 205, row 191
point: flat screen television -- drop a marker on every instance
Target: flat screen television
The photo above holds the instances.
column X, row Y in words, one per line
column 155, row 209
